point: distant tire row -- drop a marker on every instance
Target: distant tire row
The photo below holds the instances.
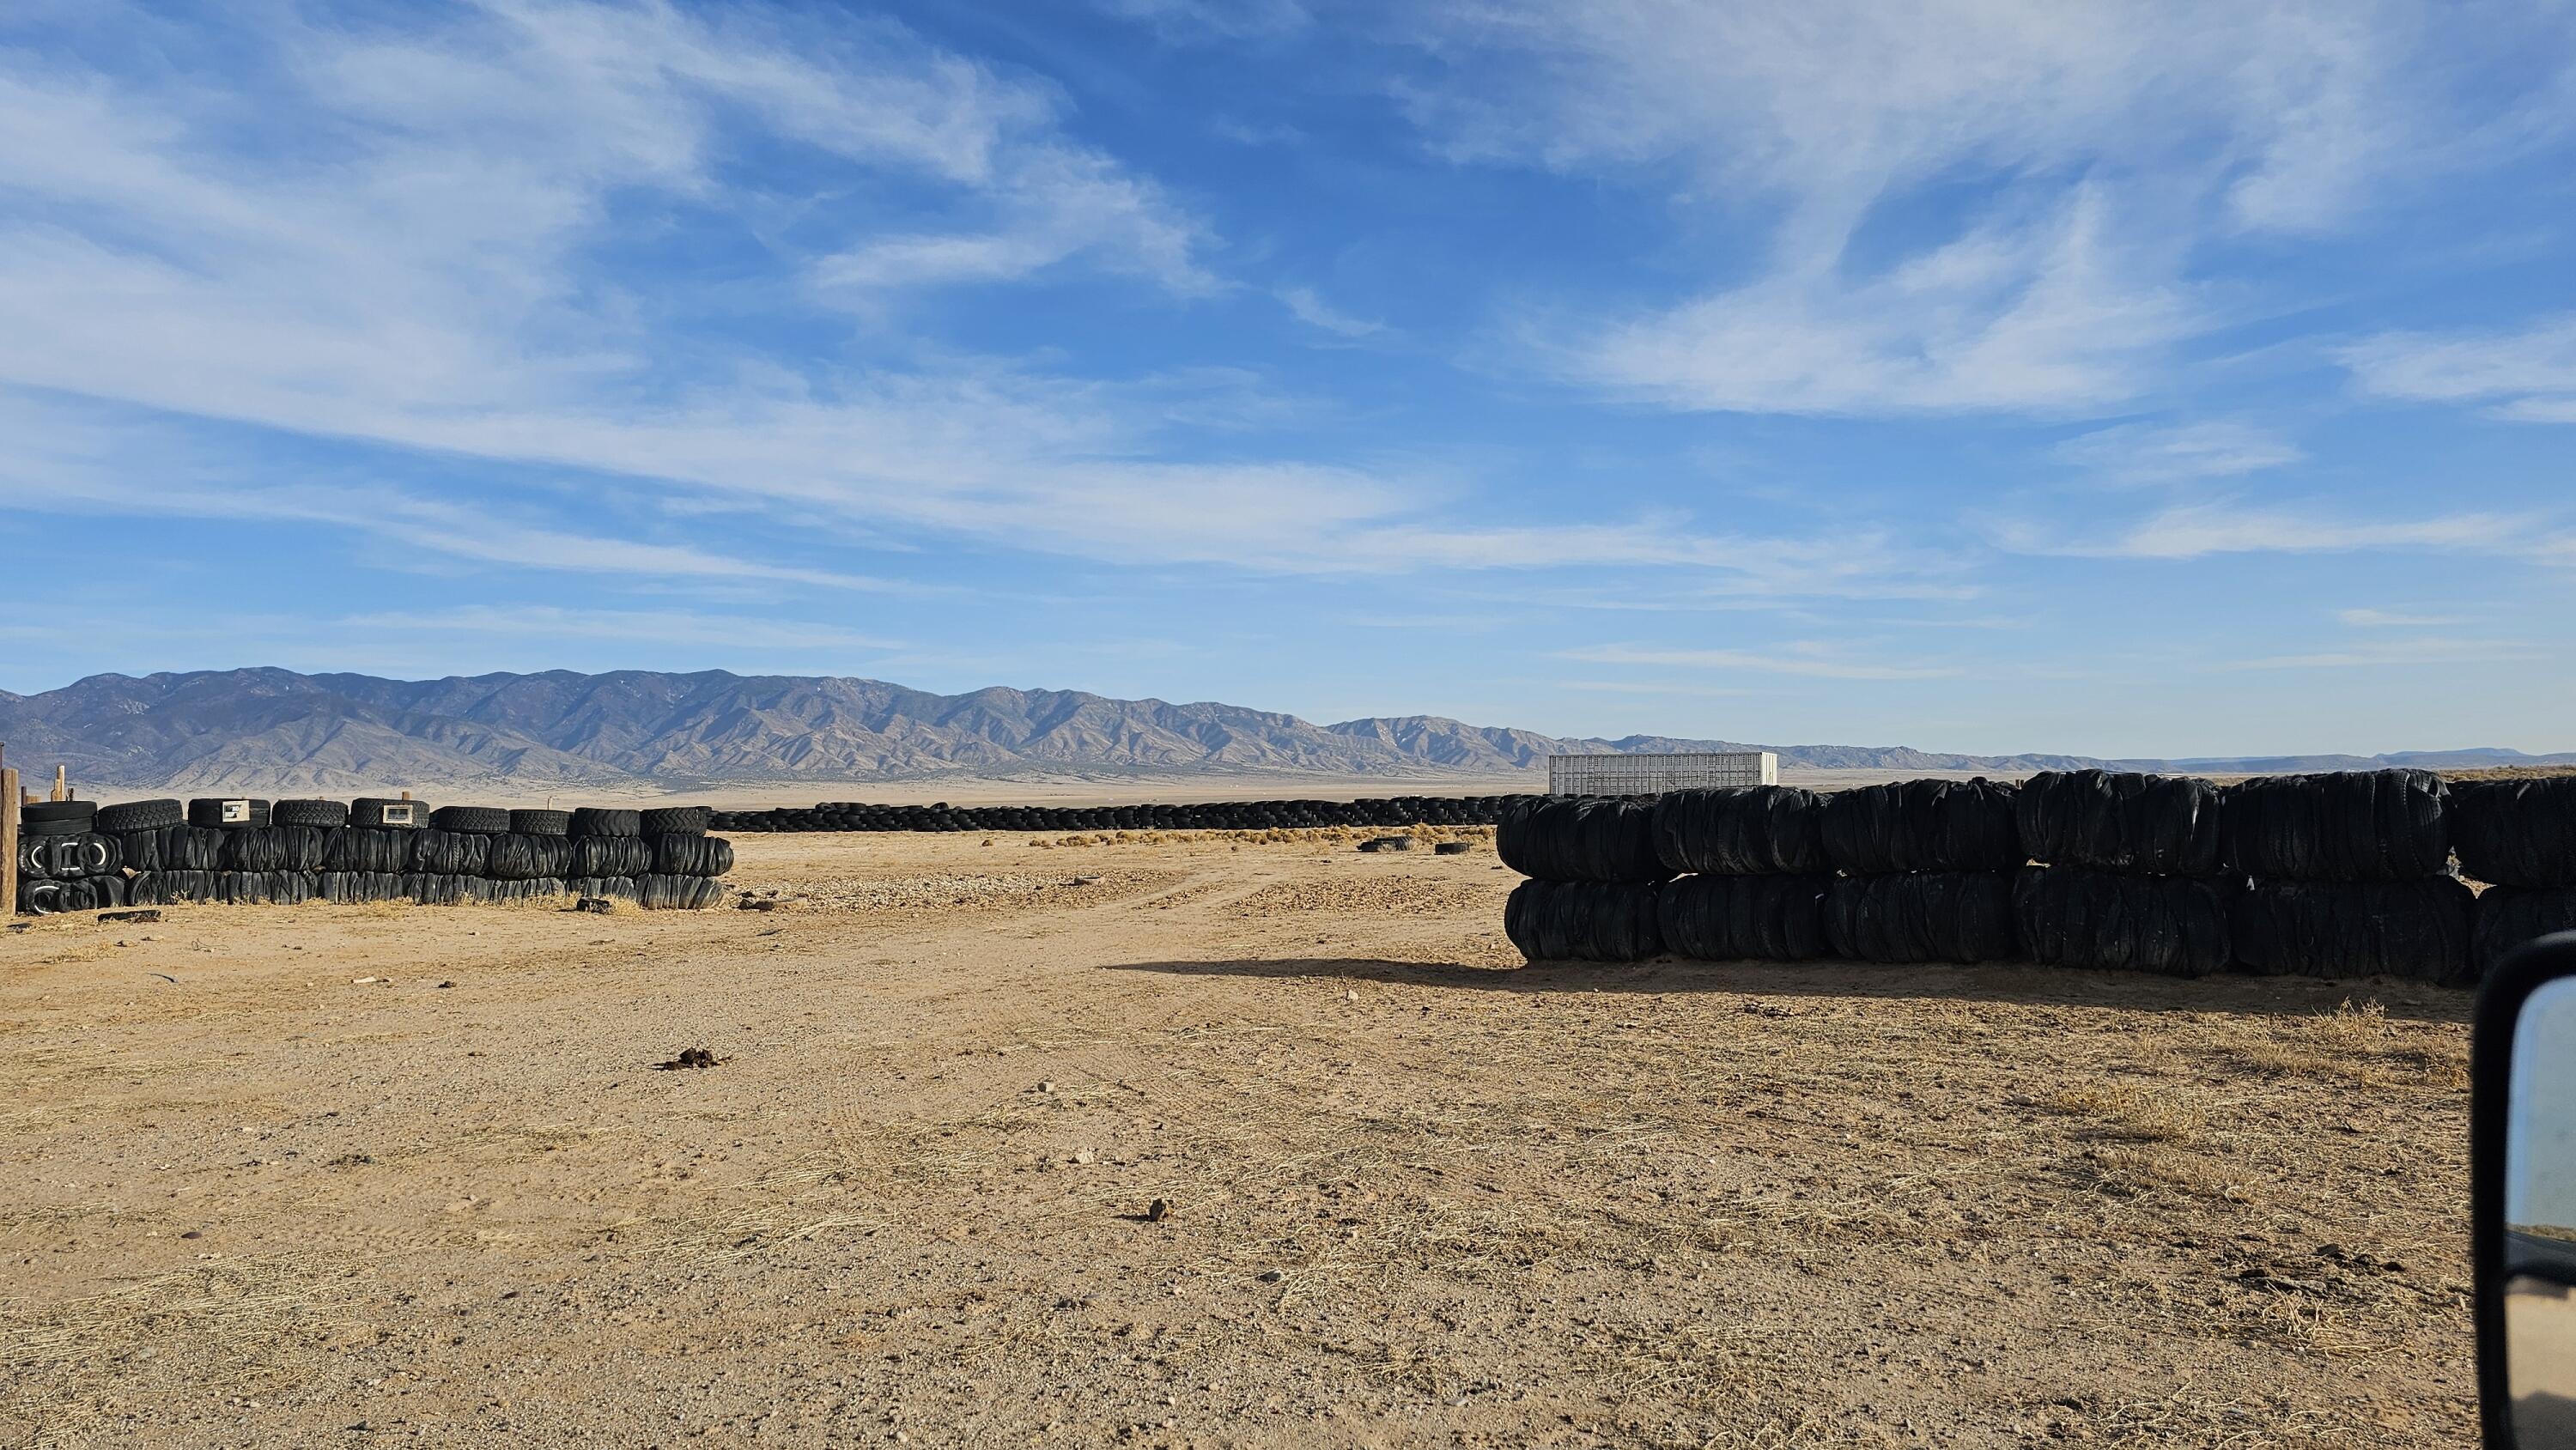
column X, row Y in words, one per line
column 75, row 855
column 1201, row 816
column 2323, row 875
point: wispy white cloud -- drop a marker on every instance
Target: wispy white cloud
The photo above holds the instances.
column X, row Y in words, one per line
column 2397, row 619
column 2412, row 652
column 422, row 268
column 763, row 634
column 1309, row 307
column 1214, row 19
column 2200, row 530
column 2525, row 375
column 2110, row 144
column 1793, row 658
column 2045, row 317
column 2167, row 453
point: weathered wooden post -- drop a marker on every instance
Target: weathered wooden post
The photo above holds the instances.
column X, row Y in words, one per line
column 8, row 839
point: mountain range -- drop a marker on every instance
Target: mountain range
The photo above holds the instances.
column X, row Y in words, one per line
column 275, row 730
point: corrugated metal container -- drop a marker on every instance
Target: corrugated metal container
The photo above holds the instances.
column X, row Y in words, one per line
column 1655, row 774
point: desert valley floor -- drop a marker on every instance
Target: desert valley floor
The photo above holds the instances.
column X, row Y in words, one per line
column 356, row 1175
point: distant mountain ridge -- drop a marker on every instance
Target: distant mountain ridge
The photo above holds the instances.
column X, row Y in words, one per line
column 277, row 730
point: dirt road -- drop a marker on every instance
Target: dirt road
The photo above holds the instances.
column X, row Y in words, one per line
column 349, row 1175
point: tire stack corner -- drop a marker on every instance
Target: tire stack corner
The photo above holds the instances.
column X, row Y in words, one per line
column 1594, row 879
column 2519, row 838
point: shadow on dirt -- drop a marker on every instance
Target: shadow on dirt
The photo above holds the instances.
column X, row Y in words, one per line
column 2027, row 986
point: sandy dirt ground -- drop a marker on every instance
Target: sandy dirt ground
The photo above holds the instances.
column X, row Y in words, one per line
column 352, row 1175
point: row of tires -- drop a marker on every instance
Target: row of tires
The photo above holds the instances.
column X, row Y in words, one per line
column 1204, row 816
column 229, row 813
column 2361, row 826
column 290, row 888
column 506, row 856
column 2433, row 930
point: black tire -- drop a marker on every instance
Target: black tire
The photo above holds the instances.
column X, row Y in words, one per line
column 2363, row 825
column 431, row 889
column 686, row 855
column 514, row 857
column 2510, row 916
column 1452, row 848
column 228, row 813
column 2150, row 825
column 397, row 815
column 607, row 821
column 305, row 848
column 2071, row 917
column 676, row 820
column 107, row 893
column 192, row 848
column 369, row 850
column 677, row 893
column 254, row 852
column 130, row 816
column 613, row 888
column 1923, row 825
column 44, row 898
column 141, row 849
column 611, row 856
column 1741, row 831
column 160, row 888
column 1583, row 921
column 450, row 853
column 57, row 818
column 36, row 857
column 2516, row 832
column 2413, row 929
column 1582, row 838
column 540, row 823
column 1744, row 918
column 101, row 855
column 318, row 813
column 470, row 820
column 1964, row 917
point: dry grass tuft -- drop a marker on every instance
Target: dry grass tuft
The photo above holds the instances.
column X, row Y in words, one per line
column 2127, row 1113
column 60, row 1367
column 2355, row 1046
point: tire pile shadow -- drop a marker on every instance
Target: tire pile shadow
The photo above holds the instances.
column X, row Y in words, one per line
column 2020, row 985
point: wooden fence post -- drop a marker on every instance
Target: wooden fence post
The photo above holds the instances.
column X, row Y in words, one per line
column 8, row 841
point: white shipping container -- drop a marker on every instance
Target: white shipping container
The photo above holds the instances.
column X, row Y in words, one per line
column 1655, row 774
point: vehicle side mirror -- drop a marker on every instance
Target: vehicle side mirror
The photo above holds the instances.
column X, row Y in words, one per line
column 2523, row 1165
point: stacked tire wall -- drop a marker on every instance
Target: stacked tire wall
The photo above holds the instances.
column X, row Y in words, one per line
column 2339, row 875
column 1390, row 811
column 2346, row 875
column 1927, row 872
column 75, row 856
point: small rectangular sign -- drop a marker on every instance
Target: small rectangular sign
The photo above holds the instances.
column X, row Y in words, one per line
column 398, row 815
column 236, row 813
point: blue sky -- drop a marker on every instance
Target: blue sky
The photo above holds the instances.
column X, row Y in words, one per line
column 2155, row 379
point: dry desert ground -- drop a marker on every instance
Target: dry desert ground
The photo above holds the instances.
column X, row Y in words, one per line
column 356, row 1175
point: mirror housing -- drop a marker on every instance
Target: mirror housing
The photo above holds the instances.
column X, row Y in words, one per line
column 2504, row 1258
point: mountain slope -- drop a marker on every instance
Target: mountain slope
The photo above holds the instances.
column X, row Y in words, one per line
column 276, row 730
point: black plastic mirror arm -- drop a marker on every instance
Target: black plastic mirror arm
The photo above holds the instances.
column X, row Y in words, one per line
column 2499, row 1013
